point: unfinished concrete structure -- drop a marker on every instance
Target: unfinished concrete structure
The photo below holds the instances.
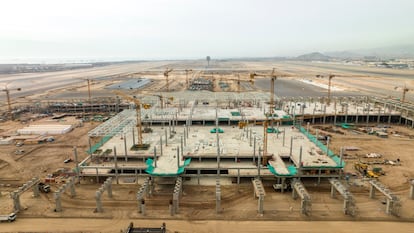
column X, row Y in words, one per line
column 203, row 134
column 15, row 195
column 58, row 193
column 349, row 206
column 300, row 190
column 106, row 186
column 393, row 202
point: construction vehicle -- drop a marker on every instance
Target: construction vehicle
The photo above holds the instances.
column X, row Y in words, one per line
column 8, row 218
column 363, row 169
column 44, row 188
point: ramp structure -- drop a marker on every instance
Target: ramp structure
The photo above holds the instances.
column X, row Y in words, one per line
column 260, row 193
column 106, row 186
column 15, row 195
column 393, row 202
column 299, row 190
column 349, row 207
column 62, row 189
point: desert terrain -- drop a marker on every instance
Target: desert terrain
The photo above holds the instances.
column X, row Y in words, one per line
column 197, row 207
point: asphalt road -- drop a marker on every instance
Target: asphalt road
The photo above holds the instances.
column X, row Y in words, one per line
column 294, row 88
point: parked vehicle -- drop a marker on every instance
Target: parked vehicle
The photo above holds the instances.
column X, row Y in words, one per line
column 8, row 218
column 44, row 188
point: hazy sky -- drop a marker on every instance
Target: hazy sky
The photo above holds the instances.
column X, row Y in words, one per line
column 155, row 29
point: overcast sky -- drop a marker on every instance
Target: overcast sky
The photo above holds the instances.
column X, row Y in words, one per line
column 158, row 29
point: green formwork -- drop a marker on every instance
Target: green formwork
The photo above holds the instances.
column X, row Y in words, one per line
column 321, row 146
column 150, row 168
column 292, row 171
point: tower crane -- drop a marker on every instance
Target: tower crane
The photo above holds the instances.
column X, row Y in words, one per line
column 273, row 78
column 329, row 86
column 251, row 80
column 7, row 90
column 186, row 76
column 139, row 122
column 405, row 90
column 166, row 73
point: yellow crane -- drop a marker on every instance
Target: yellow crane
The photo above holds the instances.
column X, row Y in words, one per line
column 251, row 80
column 186, row 76
column 7, row 90
column 405, row 90
column 329, row 86
column 139, row 122
column 166, row 74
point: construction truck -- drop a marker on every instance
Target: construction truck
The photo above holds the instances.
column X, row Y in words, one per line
column 44, row 188
column 363, row 169
column 8, row 218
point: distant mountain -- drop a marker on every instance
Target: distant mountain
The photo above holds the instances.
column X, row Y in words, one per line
column 400, row 51
column 316, row 56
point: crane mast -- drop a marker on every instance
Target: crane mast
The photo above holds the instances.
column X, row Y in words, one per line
column 166, row 74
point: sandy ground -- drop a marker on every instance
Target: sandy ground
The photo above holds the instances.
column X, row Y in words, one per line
column 197, row 208
column 179, row 226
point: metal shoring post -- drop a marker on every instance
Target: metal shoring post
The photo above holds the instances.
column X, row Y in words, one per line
column 116, row 166
column 125, row 148
column 75, row 151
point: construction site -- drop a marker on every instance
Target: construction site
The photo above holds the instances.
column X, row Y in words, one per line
column 174, row 143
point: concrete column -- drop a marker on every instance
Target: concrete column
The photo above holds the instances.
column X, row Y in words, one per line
column 324, row 114
column 72, row 189
column 98, row 202
column 291, row 146
column 260, row 204
column 254, row 150
column 356, row 116
column 125, row 148
column 143, row 207
column 161, row 145
column 372, row 192
column 58, row 201
column 333, row 193
column 313, row 116
column 171, row 207
column 379, row 115
column 166, row 136
column 35, row 189
column 178, row 157
column 182, row 146
column 75, row 152
column 155, row 156
column 388, row 207
column 412, row 190
column 116, row 166
column 283, row 143
column 133, row 136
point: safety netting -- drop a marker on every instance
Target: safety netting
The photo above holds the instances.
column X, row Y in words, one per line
column 335, row 158
column 150, row 168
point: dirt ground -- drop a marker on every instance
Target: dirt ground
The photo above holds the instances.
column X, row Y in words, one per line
column 197, row 207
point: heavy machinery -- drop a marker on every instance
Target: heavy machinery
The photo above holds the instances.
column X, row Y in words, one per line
column 166, row 74
column 7, row 90
column 363, row 169
column 44, row 188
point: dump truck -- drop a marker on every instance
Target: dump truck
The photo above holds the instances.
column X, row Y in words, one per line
column 8, row 218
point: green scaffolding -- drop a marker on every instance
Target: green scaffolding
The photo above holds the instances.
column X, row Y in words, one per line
column 150, row 168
